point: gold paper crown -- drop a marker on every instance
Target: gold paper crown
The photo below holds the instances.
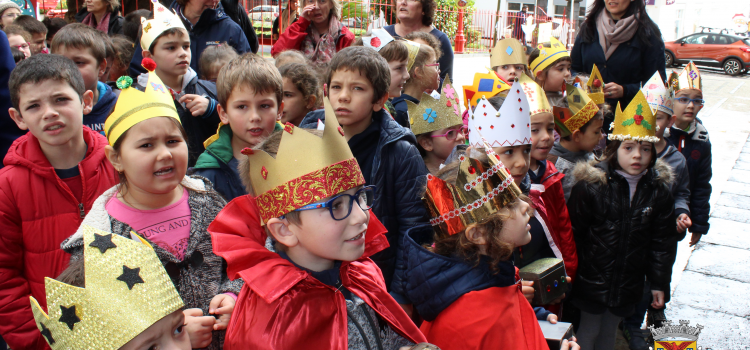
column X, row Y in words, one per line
column 164, row 19
column 435, row 114
column 306, row 169
column 413, row 48
column 548, row 55
column 689, row 78
column 485, row 85
column 482, row 188
column 538, row 102
column 636, row 122
column 658, row 96
column 595, row 86
column 134, row 106
column 580, row 110
column 507, row 52
column 673, row 81
column 127, row 290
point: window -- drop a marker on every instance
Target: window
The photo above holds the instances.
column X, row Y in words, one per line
column 696, row 39
column 514, row 7
column 582, row 11
column 560, row 10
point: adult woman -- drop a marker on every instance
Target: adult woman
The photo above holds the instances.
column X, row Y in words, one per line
column 9, row 10
column 624, row 43
column 318, row 33
column 418, row 15
column 101, row 15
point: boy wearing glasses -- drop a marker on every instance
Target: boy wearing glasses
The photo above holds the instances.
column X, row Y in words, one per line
column 302, row 246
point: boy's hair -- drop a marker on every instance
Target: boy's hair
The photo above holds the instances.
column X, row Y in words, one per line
column 132, row 25
column 39, row 68
column 53, row 26
column 214, row 57
column 250, row 70
column 181, row 33
column 290, row 56
column 124, row 50
column 30, row 24
column 18, row 56
column 368, row 63
column 81, row 36
column 424, row 53
column 610, row 155
column 74, row 275
column 430, row 39
column 109, row 47
column 395, row 50
column 14, row 29
column 305, row 79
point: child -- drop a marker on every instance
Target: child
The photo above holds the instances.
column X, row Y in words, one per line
column 305, row 247
column 147, row 147
column 622, row 213
column 423, row 38
column 250, row 101
column 131, row 27
column 84, row 45
column 302, row 92
column 19, row 38
column 53, row 26
column 486, row 85
column 550, row 64
column 508, row 59
column 124, row 50
column 290, row 56
column 38, row 33
column 167, row 42
column 358, row 86
column 18, row 56
column 396, row 53
column 438, row 126
column 580, row 129
column 52, row 176
column 213, row 58
column 109, row 49
column 691, row 138
column 100, row 303
column 424, row 76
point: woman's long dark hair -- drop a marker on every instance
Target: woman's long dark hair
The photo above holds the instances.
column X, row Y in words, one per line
column 646, row 27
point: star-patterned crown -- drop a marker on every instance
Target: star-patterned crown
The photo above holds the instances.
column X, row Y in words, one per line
column 548, row 55
column 580, row 110
column 689, row 78
column 636, row 122
column 307, row 168
column 538, row 102
column 127, row 290
column 413, row 48
column 507, row 127
column 378, row 40
column 595, row 86
column 164, row 19
column 658, row 96
column 506, row 52
column 482, row 188
column 134, row 106
column 435, row 114
column 485, row 85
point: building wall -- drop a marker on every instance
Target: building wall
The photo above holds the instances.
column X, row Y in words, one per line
column 686, row 16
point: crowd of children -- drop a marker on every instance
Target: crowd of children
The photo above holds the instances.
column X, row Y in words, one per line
column 361, row 207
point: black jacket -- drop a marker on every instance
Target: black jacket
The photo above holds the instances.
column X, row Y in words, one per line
column 620, row 241
column 396, row 171
column 115, row 22
column 237, row 13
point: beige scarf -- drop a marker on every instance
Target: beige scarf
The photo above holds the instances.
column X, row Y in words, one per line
column 612, row 34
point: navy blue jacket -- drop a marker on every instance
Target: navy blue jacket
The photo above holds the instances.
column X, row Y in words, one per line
column 213, row 28
column 98, row 115
column 402, row 109
column 396, row 170
column 631, row 65
column 696, row 147
column 9, row 131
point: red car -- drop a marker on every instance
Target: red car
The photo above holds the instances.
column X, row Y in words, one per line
column 729, row 52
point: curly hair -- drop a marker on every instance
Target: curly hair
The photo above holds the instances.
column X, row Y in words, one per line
column 305, row 79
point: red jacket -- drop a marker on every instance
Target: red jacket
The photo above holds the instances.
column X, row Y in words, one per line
column 493, row 318
column 37, row 212
column 283, row 307
column 292, row 38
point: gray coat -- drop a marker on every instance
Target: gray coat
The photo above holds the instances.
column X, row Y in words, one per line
column 681, row 185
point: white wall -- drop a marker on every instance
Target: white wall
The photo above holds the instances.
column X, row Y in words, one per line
column 686, row 16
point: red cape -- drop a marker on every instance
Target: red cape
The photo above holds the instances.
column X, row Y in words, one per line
column 283, row 307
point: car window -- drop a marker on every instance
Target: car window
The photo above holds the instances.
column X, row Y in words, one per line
column 696, row 39
column 723, row 40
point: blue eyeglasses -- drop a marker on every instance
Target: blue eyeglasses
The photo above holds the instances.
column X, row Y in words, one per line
column 685, row 100
column 341, row 205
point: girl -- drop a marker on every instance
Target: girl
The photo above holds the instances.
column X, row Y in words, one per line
column 551, row 69
column 302, row 93
column 172, row 211
column 124, row 51
column 213, row 58
column 508, row 60
column 424, row 76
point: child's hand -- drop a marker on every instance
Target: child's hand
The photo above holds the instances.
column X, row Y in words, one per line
column 570, row 344
column 199, row 327
column 552, row 318
column 695, row 238
column 683, row 223
column 527, row 288
column 658, row 302
column 222, row 305
column 195, row 103
column 562, row 297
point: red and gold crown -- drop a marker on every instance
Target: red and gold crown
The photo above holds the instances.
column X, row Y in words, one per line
column 595, row 86
column 580, row 110
column 307, row 168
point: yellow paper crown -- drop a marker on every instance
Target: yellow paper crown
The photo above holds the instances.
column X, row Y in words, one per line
column 485, row 85
column 595, row 86
column 548, row 55
column 134, row 106
column 538, row 102
column 413, row 48
column 307, row 168
column 127, row 290
column 689, row 78
column 164, row 19
column 508, row 51
column 637, row 122
column 435, row 114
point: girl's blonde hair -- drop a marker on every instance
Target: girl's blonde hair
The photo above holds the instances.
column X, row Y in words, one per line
column 430, row 39
column 424, row 54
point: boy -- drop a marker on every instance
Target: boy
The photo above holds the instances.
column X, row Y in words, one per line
column 508, row 59
column 85, row 47
column 250, row 100
column 115, row 272
column 165, row 40
column 19, row 38
column 311, row 202
column 550, row 63
column 358, row 85
column 38, row 33
column 580, row 129
column 52, row 176
column 396, row 53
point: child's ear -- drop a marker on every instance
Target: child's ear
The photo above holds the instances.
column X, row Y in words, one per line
column 280, row 111
column 88, row 101
column 379, row 103
column 311, row 100
column 113, row 158
column 102, row 68
column 426, row 143
column 671, row 121
column 222, row 114
column 474, row 235
column 146, row 54
column 279, row 229
column 576, row 136
column 16, row 116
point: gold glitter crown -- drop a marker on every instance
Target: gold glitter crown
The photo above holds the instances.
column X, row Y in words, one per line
column 538, row 102
column 580, row 110
column 689, row 78
column 508, row 52
column 164, row 19
column 435, row 114
column 127, row 290
column 307, row 168
column 637, row 122
column 595, row 86
column 548, row 55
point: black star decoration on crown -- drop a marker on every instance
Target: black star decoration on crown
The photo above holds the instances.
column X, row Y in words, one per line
column 69, row 316
column 103, row 242
column 47, row 334
column 131, row 276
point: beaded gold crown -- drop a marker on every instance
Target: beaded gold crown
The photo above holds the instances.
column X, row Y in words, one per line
column 636, row 122
column 580, row 110
column 507, row 52
column 127, row 290
column 548, row 55
column 435, row 114
column 164, row 19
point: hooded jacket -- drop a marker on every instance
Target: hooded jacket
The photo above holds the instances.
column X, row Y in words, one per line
column 396, row 168
column 621, row 240
column 98, row 115
column 695, row 145
column 37, row 212
column 565, row 160
column 115, row 22
column 681, row 184
column 292, row 37
column 282, row 306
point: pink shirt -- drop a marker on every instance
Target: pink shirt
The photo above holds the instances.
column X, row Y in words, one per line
column 167, row 227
